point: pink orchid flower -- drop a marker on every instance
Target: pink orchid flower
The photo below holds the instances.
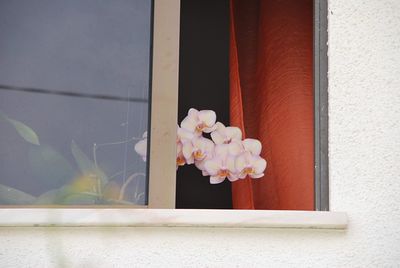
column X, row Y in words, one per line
column 197, row 149
column 225, row 156
column 231, row 137
column 221, row 166
column 199, row 121
column 247, row 164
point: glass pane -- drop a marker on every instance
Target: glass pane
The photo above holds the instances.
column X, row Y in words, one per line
column 74, row 89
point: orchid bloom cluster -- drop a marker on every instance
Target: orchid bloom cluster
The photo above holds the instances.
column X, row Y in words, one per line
column 226, row 155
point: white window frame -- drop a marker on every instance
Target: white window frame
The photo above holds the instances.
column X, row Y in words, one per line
column 164, row 104
column 162, row 171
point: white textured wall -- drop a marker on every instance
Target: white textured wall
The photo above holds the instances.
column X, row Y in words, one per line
column 364, row 167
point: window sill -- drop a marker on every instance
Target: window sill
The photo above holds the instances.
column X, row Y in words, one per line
column 23, row 217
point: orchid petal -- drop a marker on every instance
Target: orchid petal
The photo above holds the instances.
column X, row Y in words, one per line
column 144, row 134
column 235, row 148
column 233, row 177
column 204, row 173
column 209, row 146
column 180, row 159
column 219, row 127
column 216, row 179
column 257, row 176
column 193, row 112
column 201, row 143
column 233, row 133
column 240, row 162
column 259, row 165
column 179, row 148
column 209, row 129
column 208, row 117
column 200, row 165
column 217, row 137
column 184, row 134
column 249, row 157
column 221, row 150
column 230, row 163
column 187, row 151
column 253, row 146
column 189, row 123
column 242, row 175
column 212, row 166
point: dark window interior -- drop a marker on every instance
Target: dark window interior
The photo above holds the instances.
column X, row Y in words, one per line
column 203, row 84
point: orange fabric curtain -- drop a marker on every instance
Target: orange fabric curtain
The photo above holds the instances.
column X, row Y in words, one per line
column 271, row 99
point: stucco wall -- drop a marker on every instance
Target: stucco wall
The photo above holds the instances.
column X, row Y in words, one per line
column 364, row 168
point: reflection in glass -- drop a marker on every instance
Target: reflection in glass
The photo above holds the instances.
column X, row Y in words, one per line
column 74, row 88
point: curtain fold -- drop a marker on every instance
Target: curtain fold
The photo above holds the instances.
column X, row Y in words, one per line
column 271, row 99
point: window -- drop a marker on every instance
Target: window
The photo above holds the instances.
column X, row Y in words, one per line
column 75, row 86
column 95, row 108
column 274, row 46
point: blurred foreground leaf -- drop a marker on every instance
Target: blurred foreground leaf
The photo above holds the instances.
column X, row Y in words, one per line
column 86, row 165
column 23, row 130
column 11, row 196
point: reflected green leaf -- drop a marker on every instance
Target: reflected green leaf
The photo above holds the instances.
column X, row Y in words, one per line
column 111, row 190
column 66, row 195
column 12, row 196
column 54, row 196
column 133, row 189
column 23, row 130
column 48, row 167
column 85, row 164
column 48, row 198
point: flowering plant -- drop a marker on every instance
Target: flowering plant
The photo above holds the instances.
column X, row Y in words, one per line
column 223, row 156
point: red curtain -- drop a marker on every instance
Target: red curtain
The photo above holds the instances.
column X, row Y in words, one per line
column 271, row 98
